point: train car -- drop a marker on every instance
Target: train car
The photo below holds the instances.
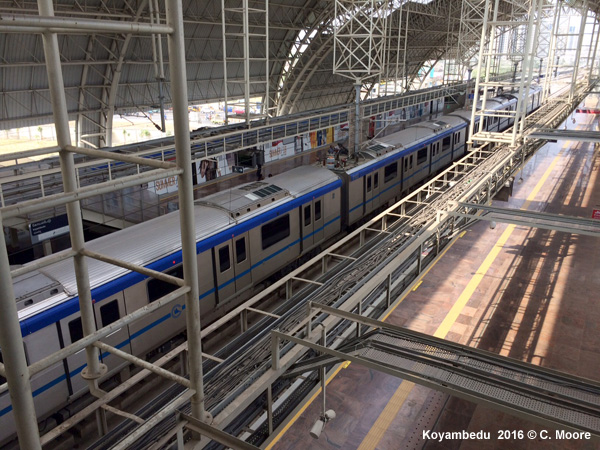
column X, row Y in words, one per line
column 506, row 102
column 243, row 236
column 395, row 163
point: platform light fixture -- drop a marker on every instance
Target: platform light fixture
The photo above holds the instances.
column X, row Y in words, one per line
column 317, row 428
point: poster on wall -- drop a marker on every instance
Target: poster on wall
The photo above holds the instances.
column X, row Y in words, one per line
column 340, row 132
column 225, row 164
column 205, row 171
column 279, row 149
column 306, row 143
column 313, row 139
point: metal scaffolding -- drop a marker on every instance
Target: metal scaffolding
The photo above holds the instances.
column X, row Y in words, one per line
column 454, row 65
column 251, row 23
column 360, row 28
column 15, row 367
column 568, row 45
column 505, row 35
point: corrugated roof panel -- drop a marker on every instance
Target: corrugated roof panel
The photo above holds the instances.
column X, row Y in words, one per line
column 140, row 244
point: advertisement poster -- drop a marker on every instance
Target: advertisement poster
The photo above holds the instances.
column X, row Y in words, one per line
column 205, row 171
column 313, row 139
column 163, row 186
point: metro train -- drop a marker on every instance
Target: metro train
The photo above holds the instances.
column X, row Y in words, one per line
column 244, row 236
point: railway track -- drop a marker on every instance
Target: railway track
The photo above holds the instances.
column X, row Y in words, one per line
column 419, row 224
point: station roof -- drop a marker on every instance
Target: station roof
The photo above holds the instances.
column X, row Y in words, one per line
column 104, row 71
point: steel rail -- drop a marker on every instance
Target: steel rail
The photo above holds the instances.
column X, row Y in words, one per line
column 244, row 375
column 44, row 24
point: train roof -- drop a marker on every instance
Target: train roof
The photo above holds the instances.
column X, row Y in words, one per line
column 158, row 240
column 391, row 147
column 139, row 244
column 251, row 198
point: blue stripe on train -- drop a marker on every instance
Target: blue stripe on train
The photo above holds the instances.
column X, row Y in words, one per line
column 396, row 156
column 58, row 312
column 399, row 182
column 168, row 316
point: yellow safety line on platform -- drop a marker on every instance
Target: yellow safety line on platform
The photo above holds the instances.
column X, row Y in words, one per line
column 345, row 365
column 299, row 413
column 389, row 413
column 384, row 420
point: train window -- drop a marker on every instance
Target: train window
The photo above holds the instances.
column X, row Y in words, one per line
column 390, row 172
column 405, row 163
column 422, row 156
column 75, row 329
column 307, row 215
column 109, row 313
column 368, row 184
column 277, row 230
column 410, row 162
column 376, row 180
column 158, row 288
column 224, row 261
column 317, row 209
column 240, row 250
column 446, row 144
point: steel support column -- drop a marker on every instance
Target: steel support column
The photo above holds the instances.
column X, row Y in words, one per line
column 177, row 66
column 94, row 368
column 357, row 87
column 593, row 53
column 584, row 13
column 13, row 354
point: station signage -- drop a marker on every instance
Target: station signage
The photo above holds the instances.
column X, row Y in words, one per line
column 163, row 185
column 596, row 214
column 48, row 228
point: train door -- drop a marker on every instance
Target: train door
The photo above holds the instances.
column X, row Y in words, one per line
column 318, row 220
column 375, row 191
column 107, row 312
column 224, row 270
column 368, row 193
column 407, row 171
column 306, row 217
column 241, row 262
column 49, row 385
column 72, row 330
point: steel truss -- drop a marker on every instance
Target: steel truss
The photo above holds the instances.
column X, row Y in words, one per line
column 567, row 39
column 422, row 223
column 408, row 237
column 359, row 39
column 543, row 395
column 251, row 23
column 510, row 31
column 15, row 367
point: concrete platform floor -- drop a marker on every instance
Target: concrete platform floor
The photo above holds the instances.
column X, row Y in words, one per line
column 530, row 294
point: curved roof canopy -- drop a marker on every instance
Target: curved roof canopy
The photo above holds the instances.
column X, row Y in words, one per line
column 107, row 72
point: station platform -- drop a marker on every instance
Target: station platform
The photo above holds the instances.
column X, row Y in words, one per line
column 135, row 205
column 530, row 294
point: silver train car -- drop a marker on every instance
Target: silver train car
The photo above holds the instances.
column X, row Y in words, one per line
column 243, row 236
